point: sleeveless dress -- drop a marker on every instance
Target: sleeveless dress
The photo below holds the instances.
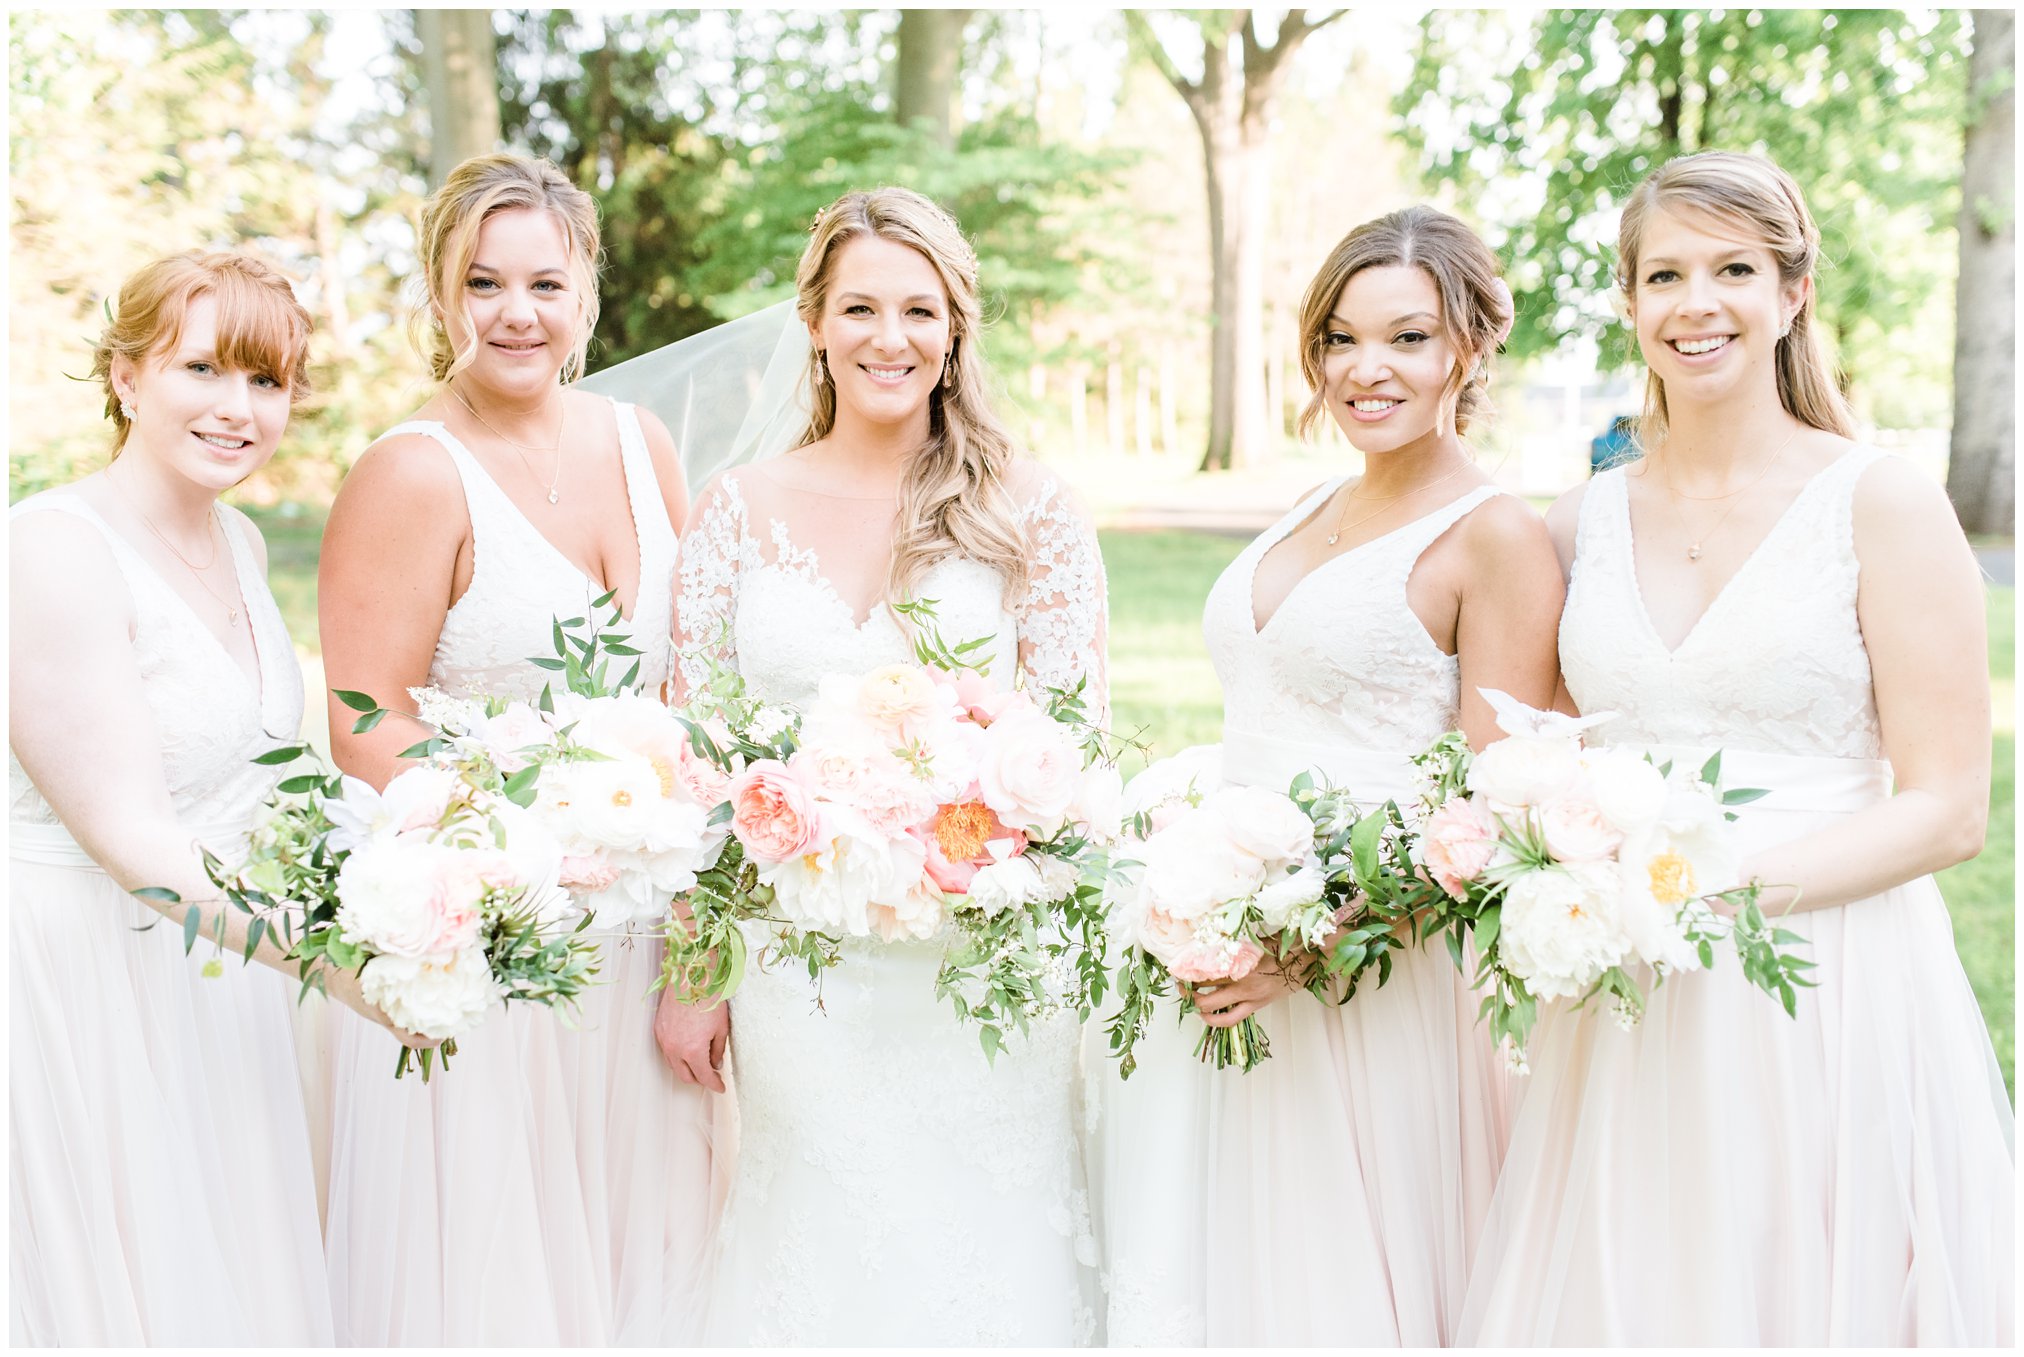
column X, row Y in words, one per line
column 892, row 1188
column 1342, row 1180
column 159, row 1168
column 1724, row 1174
column 553, row 1186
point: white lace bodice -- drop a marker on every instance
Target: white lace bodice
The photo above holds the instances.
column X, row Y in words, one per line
column 755, row 601
column 893, row 1187
column 520, row 583
column 1344, row 661
column 209, row 719
column 1777, row 663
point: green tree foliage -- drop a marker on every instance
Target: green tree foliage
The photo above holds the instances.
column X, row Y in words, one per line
column 1862, row 106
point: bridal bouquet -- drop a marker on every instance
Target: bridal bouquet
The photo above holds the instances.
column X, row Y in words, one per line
column 914, row 801
column 1212, row 878
column 1566, row 866
column 440, row 892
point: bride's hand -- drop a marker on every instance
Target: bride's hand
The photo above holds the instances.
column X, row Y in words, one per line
column 692, row 1039
column 1229, row 1002
column 342, row 987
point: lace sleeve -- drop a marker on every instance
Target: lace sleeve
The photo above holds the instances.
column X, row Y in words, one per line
column 706, row 597
column 1064, row 618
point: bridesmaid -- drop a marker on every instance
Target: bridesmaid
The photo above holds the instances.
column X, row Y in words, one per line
column 1348, row 1175
column 1724, row 1174
column 552, row 1186
column 161, row 1185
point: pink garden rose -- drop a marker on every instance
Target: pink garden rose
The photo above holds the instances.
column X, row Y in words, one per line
column 1192, row 961
column 1458, row 841
column 1577, row 831
column 707, row 784
column 1031, row 771
column 773, row 813
column 588, row 874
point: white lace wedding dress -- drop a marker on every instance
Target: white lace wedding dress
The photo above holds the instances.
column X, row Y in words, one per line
column 892, row 1188
column 554, row 1184
column 1723, row 1174
column 161, row 1190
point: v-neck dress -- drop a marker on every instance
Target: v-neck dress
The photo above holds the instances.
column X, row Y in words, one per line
column 1723, row 1174
column 553, row 1186
column 1331, row 1195
column 160, row 1184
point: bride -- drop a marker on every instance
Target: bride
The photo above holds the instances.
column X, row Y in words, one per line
column 892, row 1187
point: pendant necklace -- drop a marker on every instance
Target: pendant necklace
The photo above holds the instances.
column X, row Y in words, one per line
column 1694, row 545
column 196, row 571
column 1342, row 527
column 523, row 449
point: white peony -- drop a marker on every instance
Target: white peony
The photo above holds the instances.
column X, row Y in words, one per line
column 442, row 996
column 1560, row 929
column 1099, row 803
column 408, row 896
column 1011, row 884
column 1166, row 786
column 1689, row 852
column 1263, row 823
column 830, row 889
column 1192, row 866
column 1280, row 897
column 1524, row 770
column 1626, row 787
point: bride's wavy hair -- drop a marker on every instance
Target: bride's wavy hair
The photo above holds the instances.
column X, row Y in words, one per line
column 953, row 498
column 1757, row 200
column 1475, row 306
column 261, row 326
column 477, row 189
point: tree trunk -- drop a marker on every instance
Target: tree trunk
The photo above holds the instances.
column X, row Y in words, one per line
column 459, row 57
column 1142, row 411
column 1078, row 407
column 1113, row 401
column 924, row 79
column 1170, row 421
column 1232, row 105
column 1982, row 465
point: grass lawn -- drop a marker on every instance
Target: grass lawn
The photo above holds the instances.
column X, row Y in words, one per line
column 1163, row 686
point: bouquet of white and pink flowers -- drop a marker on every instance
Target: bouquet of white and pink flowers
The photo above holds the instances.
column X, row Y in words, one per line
column 607, row 771
column 440, row 892
column 1213, row 879
column 917, row 801
column 1566, row 867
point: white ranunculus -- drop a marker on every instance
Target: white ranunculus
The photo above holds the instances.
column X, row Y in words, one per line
column 1264, row 823
column 442, row 996
column 1192, row 866
column 1523, row 770
column 1281, row 896
column 1625, row 786
column 416, row 798
column 1560, row 928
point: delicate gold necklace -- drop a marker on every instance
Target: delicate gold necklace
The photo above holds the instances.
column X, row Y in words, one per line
column 196, row 571
column 1342, row 527
column 1672, row 495
column 523, row 449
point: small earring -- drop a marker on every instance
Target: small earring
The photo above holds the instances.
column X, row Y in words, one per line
column 821, row 368
column 1785, row 329
column 948, row 373
column 126, row 408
